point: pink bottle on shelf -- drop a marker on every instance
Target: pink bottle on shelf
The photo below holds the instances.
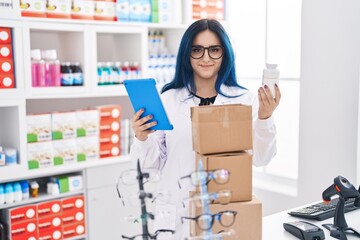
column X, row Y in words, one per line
column 52, row 65
column 37, row 69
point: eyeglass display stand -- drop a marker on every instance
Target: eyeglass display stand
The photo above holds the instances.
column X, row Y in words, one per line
column 205, row 202
column 345, row 191
column 142, row 196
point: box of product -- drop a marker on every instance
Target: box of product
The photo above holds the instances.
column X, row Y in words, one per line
column 74, row 230
column 87, row 123
column 239, row 164
column 109, row 111
column 248, row 219
column 105, row 10
column 58, row 8
column 49, row 208
column 122, row 10
column 64, row 125
column 65, row 151
column 38, row 127
column 87, row 149
column 221, row 128
column 33, row 8
column 83, row 9
column 40, row 155
column 70, row 183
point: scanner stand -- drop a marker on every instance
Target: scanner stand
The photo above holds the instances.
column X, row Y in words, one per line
column 339, row 229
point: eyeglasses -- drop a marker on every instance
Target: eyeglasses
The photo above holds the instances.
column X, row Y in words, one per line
column 197, row 178
column 134, row 198
column 222, row 235
column 206, row 220
column 222, row 196
column 162, row 234
column 215, row 52
column 131, row 176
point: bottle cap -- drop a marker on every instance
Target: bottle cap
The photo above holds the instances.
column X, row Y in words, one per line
column 35, row 54
column 17, row 187
column 24, row 185
column 8, row 188
column 271, row 66
column 34, row 184
column 52, row 54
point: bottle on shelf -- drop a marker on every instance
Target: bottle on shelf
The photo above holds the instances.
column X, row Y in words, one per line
column 2, row 194
column 109, row 75
column 125, row 71
column 100, row 74
column 117, row 72
column 37, row 69
column 10, row 156
column 67, row 76
column 135, row 72
column 25, row 189
column 52, row 66
column 34, row 189
column 77, row 73
column 9, row 193
column 2, row 157
column 17, row 192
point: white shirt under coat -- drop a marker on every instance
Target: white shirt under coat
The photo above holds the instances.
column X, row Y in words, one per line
column 172, row 152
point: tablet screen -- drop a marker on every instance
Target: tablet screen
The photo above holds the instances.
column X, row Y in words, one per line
column 143, row 94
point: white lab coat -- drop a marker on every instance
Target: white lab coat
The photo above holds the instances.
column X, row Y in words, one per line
column 171, row 151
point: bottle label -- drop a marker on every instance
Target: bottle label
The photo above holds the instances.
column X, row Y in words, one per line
column 78, row 78
column 67, row 79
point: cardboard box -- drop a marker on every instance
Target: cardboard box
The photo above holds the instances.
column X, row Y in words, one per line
column 248, row 221
column 239, row 164
column 221, row 128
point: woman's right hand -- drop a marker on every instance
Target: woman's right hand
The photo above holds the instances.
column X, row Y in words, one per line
column 141, row 126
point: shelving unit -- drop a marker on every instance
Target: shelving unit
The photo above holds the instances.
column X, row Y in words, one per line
column 87, row 42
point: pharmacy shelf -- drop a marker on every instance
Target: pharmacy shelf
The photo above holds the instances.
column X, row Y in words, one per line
column 41, row 198
column 19, row 172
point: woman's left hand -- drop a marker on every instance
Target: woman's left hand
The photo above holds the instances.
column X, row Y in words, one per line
column 268, row 103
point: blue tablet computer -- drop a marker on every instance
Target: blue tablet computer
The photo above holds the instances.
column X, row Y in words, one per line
column 143, row 94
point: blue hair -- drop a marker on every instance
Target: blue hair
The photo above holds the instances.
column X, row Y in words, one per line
column 184, row 76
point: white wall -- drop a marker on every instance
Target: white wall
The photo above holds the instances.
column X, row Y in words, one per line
column 329, row 92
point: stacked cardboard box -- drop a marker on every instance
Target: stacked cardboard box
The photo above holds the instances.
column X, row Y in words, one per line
column 222, row 136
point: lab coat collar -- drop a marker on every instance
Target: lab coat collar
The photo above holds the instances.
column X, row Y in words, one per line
column 187, row 98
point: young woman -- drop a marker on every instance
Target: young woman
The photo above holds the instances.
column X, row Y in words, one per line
column 205, row 74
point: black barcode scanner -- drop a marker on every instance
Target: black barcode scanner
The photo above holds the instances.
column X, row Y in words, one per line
column 357, row 200
column 345, row 190
column 341, row 187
